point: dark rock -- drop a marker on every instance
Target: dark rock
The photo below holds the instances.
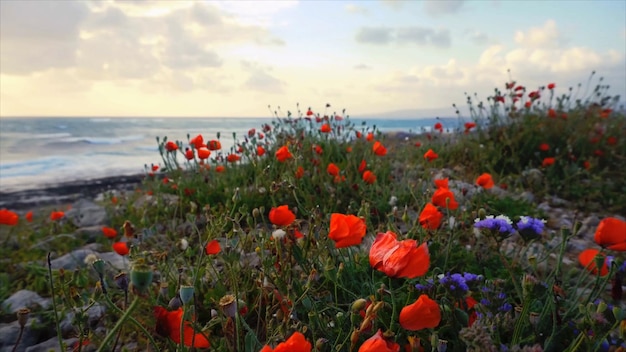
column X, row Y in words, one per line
column 10, row 332
column 24, row 299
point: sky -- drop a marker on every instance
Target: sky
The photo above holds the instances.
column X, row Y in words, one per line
column 237, row 58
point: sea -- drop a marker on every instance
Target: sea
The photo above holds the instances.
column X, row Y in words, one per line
column 40, row 152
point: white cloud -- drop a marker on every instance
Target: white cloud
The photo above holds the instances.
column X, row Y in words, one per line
column 418, row 35
column 356, row 9
column 547, row 36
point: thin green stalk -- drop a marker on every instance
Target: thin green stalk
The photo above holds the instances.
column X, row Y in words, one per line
column 133, row 321
column 118, row 325
column 54, row 304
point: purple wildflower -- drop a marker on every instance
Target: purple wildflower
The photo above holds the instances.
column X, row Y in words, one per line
column 530, row 228
column 500, row 224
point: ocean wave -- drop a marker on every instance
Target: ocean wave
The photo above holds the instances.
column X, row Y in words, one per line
column 99, row 120
column 102, row 140
column 51, row 135
column 30, row 167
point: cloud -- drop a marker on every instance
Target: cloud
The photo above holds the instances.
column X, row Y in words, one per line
column 547, row 36
column 478, row 37
column 438, row 8
column 260, row 79
column 421, row 36
column 37, row 35
column 362, row 67
column 374, row 35
column 355, row 9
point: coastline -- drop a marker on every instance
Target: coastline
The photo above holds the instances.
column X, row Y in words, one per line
column 67, row 192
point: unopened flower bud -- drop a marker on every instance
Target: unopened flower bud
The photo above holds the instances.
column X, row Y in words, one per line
column 319, row 344
column 121, row 280
column 175, row 303
column 602, row 306
column 98, row 266
column 358, row 304
column 482, row 213
column 534, row 318
column 256, row 213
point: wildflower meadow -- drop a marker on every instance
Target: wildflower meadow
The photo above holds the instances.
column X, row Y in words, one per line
column 315, row 234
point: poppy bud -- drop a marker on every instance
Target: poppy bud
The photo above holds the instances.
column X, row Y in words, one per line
column 141, row 277
column 98, row 266
column 320, row 343
column 358, row 304
column 164, row 290
column 186, row 294
column 174, row 303
column 482, row 213
column 618, row 313
column 121, row 280
column 602, row 306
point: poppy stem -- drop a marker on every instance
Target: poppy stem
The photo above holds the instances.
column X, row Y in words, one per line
column 118, row 325
column 133, row 321
column 54, row 303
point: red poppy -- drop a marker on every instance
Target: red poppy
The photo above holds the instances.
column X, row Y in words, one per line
column 295, row 343
column 8, row 217
column 518, row 88
column 213, row 247
column 121, row 248
column 469, row 126
column 499, row 98
column 332, row 169
column 418, row 144
column 260, row 151
column 399, row 258
column 587, row 259
column 309, row 112
column 605, row 113
column 56, row 215
column 379, row 149
column 261, row 135
column 220, row 168
column 299, row 172
column 281, row 216
column 171, row 146
column 325, row 128
column 251, row 132
column 369, row 177
column 362, row 166
column 346, row 230
column 485, row 181
column 189, row 154
column 552, row 113
column 441, row 183
column 430, row 217
column 586, row 165
column 528, row 104
column 29, row 216
column 168, row 324
column 109, row 232
column 155, row 167
column 197, row 142
column 444, row 198
column 547, row 162
column 379, row 343
column 358, row 134
column 534, row 95
column 439, row 127
column 370, row 136
column 611, row 234
column 551, row 85
column 231, row 158
column 338, row 118
column 430, row 155
column 423, row 314
column 544, row 147
column 283, row 154
column 214, row 145
column 611, row 140
column 510, row 85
